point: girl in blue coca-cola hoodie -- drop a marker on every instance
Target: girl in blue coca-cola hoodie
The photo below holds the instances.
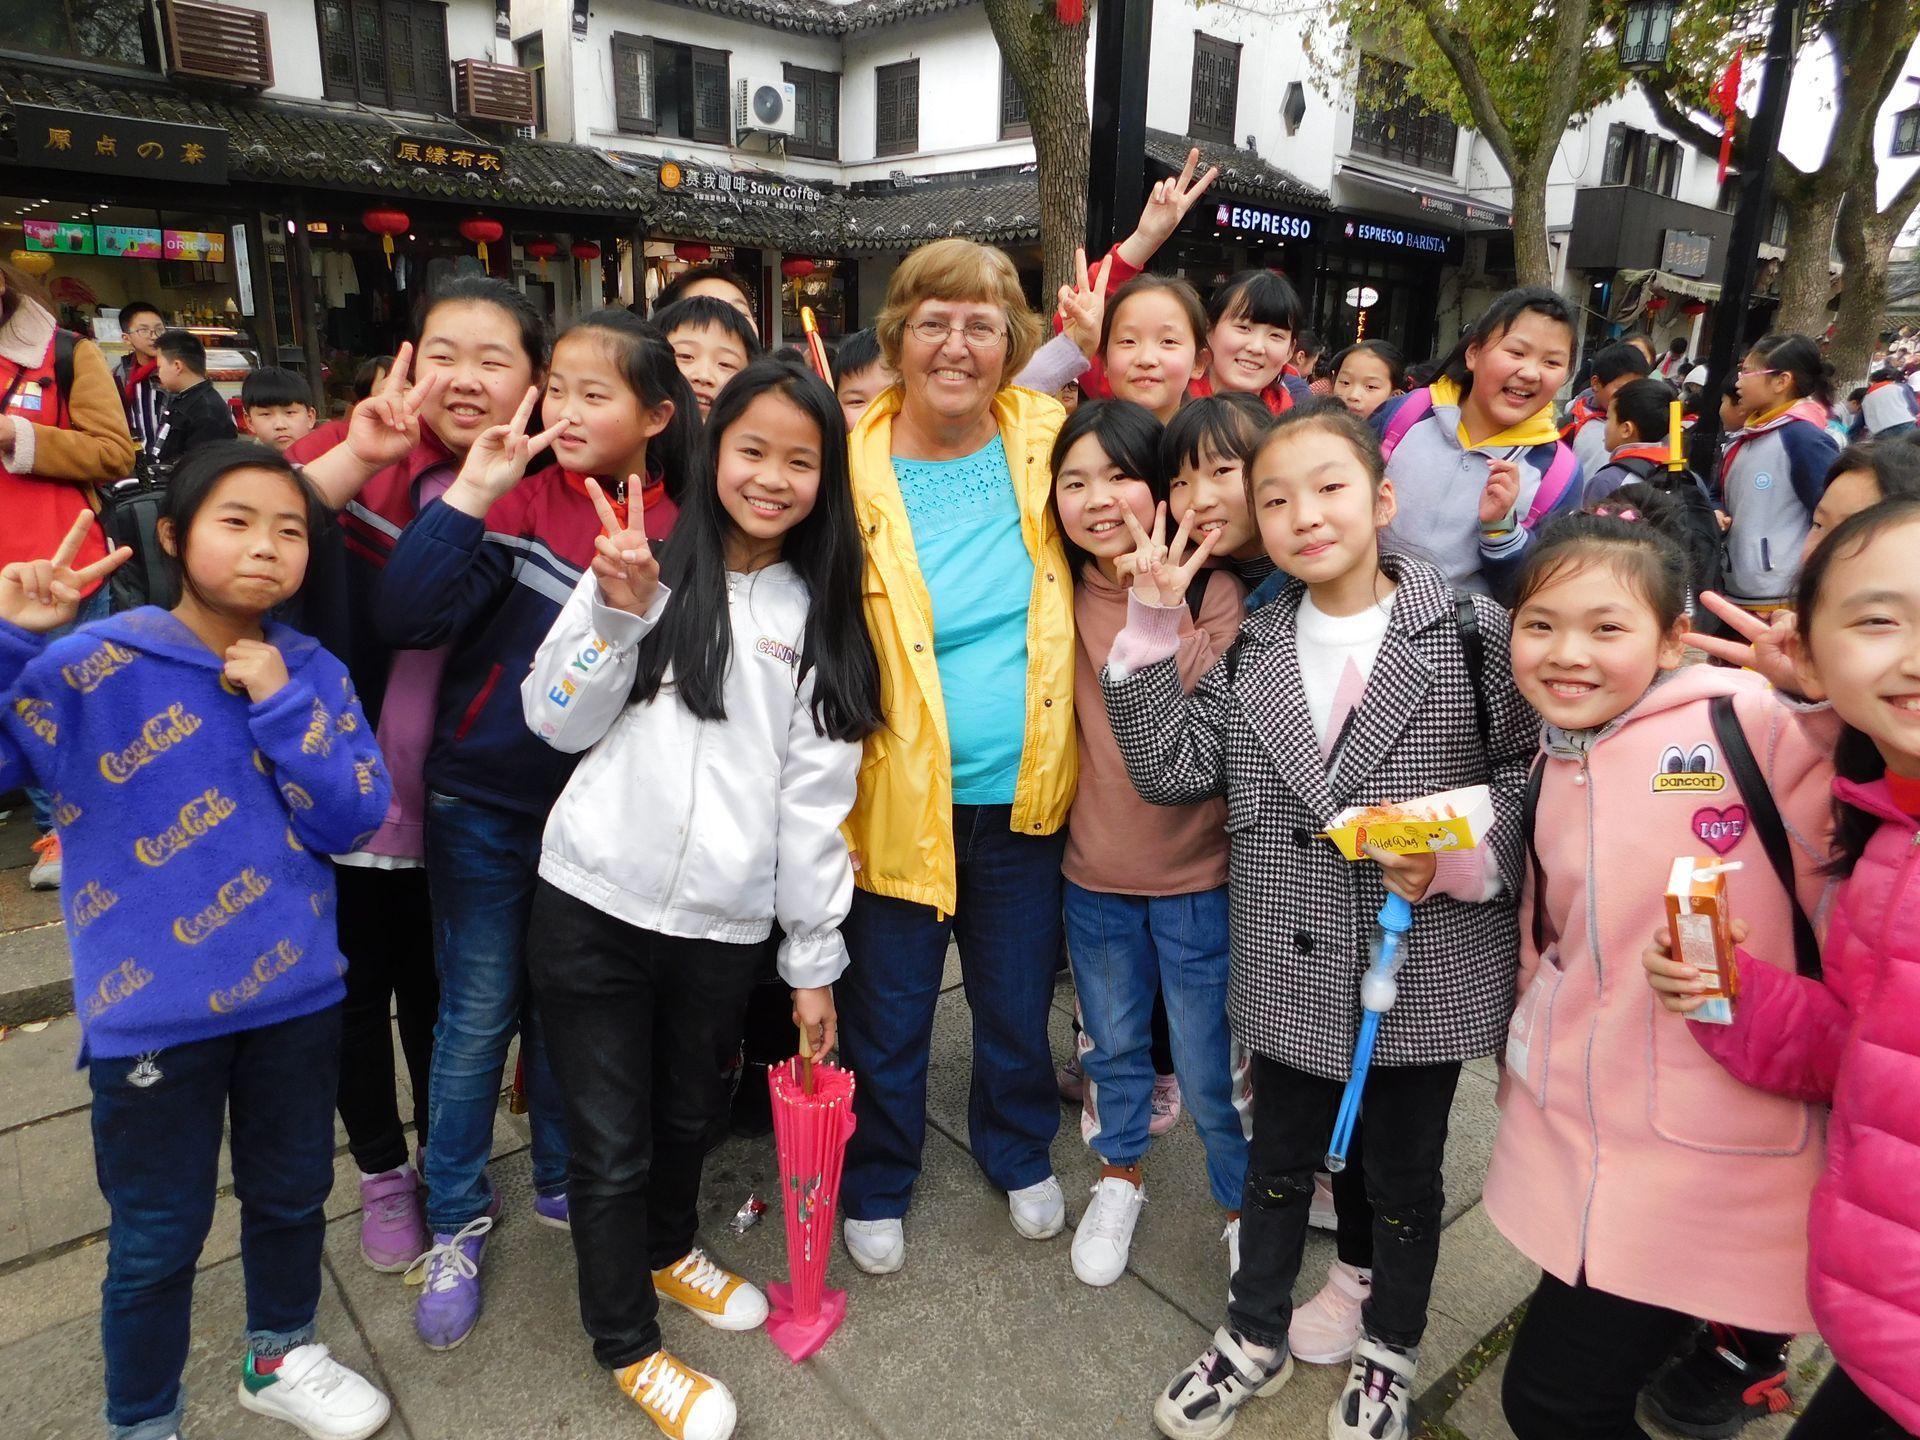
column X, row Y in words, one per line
column 202, row 764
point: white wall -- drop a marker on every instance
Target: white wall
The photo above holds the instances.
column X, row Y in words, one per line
column 959, row 97
column 293, row 29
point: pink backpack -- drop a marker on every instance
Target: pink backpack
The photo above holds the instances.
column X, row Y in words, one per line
column 1564, row 470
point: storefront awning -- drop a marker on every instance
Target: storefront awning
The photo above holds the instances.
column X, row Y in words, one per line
column 1444, row 207
column 1672, row 284
column 1243, row 175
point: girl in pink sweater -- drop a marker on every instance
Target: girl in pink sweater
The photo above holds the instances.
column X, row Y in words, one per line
column 1647, row 1184
column 1852, row 1037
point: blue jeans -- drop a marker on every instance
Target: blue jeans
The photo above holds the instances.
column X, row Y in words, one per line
column 94, row 607
column 156, row 1152
column 1007, row 925
column 1123, row 949
column 481, row 869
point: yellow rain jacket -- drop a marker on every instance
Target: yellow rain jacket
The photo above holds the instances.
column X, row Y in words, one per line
column 901, row 828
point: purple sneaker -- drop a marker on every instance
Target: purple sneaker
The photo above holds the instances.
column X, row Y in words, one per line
column 552, row 1210
column 449, row 1304
column 392, row 1230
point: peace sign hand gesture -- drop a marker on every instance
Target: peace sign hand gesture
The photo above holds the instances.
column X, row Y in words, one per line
column 499, row 458
column 1768, row 646
column 1084, row 305
column 42, row 595
column 385, row 426
column 623, row 562
column 1160, row 573
column 1167, row 205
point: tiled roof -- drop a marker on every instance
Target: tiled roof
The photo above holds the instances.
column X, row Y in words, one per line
column 279, row 141
column 824, row 17
column 1242, row 173
column 995, row 209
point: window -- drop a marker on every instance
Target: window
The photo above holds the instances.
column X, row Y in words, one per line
column 1216, row 89
column 1393, row 124
column 1644, row 161
column 113, row 31
column 1013, row 107
column 390, row 53
column 660, row 88
column 896, row 109
column 816, row 113
column 530, row 54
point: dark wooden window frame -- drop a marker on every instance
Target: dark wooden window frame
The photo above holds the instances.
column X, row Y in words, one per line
column 1214, row 103
column 636, row 94
column 896, row 119
column 1643, row 159
column 1014, row 122
column 813, row 90
column 539, row 72
column 409, row 39
column 1405, row 132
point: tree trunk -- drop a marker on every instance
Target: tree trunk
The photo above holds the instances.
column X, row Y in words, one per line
column 1866, row 249
column 1532, row 261
column 1811, row 202
column 1049, row 64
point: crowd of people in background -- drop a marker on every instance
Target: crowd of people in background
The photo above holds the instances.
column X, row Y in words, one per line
column 640, row 694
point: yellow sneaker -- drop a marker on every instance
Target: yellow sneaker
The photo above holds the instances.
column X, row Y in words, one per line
column 678, row 1398
column 717, row 1296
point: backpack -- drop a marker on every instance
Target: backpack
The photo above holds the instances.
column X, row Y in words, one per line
column 1706, row 543
column 1562, row 471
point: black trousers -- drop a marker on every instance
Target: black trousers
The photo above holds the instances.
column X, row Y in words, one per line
column 1353, row 1215
column 1838, row 1411
column 386, row 934
column 641, row 1029
column 1407, row 1109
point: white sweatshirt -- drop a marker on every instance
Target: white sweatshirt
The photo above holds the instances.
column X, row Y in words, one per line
column 703, row 829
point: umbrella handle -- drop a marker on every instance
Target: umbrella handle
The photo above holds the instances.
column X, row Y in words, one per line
column 806, row 1060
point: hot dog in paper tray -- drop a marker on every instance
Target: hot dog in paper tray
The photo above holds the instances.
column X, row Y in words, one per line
column 1450, row 820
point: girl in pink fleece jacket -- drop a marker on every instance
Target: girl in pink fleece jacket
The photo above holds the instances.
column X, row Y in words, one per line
column 1647, row 1183
column 1852, row 1038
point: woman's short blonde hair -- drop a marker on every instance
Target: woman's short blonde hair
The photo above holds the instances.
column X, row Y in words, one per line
column 962, row 272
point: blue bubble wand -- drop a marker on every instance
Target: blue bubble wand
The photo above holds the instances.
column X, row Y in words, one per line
column 1378, row 990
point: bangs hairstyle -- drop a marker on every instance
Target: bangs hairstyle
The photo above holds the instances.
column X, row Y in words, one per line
column 686, row 279
column 1895, row 464
column 1610, row 362
column 960, row 272
column 645, row 361
column 1183, row 294
column 189, row 487
column 1328, row 417
column 694, row 639
column 1500, row 318
column 1800, row 359
column 1647, row 405
column 535, row 341
column 1646, row 554
column 271, row 386
column 858, row 351
column 1264, row 297
column 1386, row 353
column 704, row 312
column 1855, row 756
column 1129, row 435
column 1227, row 426
column 369, row 374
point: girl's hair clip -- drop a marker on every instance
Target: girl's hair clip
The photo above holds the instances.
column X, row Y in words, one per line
column 1629, row 515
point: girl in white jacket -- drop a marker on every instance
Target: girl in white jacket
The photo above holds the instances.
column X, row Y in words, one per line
column 721, row 697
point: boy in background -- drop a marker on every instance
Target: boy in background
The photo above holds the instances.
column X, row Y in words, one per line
column 278, row 406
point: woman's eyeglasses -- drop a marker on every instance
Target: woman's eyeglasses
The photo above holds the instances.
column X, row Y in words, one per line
column 978, row 334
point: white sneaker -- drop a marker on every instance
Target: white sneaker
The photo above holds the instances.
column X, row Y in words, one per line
column 1321, row 1215
column 1377, row 1402
column 1039, row 1211
column 316, row 1394
column 878, row 1247
column 1200, row 1402
column 1105, row 1233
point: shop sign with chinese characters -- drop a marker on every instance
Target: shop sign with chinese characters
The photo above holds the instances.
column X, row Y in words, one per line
column 741, row 189
column 458, row 155
column 77, row 140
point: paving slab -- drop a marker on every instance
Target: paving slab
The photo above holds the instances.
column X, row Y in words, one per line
column 16, row 837
column 13, row 1208
column 22, row 908
column 41, row 1079
column 36, row 975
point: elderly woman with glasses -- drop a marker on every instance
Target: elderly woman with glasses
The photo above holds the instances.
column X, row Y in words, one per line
column 957, row 827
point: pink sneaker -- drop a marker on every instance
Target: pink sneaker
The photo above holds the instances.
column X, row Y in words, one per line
column 1322, row 1215
column 1166, row 1105
column 393, row 1232
column 1327, row 1327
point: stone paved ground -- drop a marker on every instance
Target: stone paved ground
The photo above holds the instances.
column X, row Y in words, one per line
column 984, row 1334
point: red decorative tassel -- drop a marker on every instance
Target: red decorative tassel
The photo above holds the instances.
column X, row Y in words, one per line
column 1069, row 12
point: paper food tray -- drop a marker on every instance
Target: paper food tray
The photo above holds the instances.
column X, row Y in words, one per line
column 1451, row 820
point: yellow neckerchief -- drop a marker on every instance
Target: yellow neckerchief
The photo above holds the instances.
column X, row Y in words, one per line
column 1772, row 415
column 1537, row 429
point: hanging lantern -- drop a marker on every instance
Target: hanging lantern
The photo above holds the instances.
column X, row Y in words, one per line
column 693, row 252
column 1694, row 307
column 1645, row 34
column 796, row 268
column 482, row 232
column 1658, row 302
column 386, row 224
column 32, row 262
column 543, row 251
column 585, row 251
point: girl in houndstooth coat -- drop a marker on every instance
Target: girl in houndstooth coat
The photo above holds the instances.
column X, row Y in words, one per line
column 1355, row 686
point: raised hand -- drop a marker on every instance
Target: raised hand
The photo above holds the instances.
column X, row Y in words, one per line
column 1161, row 572
column 1167, row 205
column 1676, row 984
column 385, row 426
column 1084, row 305
column 257, row 668
column 42, row 595
column 1503, row 489
column 623, row 562
column 499, row 458
column 1768, row 646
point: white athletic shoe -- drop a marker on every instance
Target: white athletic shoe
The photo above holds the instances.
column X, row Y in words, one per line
column 1039, row 1211
column 877, row 1246
column 316, row 1394
column 1105, row 1233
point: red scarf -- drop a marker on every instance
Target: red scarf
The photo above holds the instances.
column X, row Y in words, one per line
column 1656, row 453
column 1582, row 413
column 1277, row 398
column 134, row 376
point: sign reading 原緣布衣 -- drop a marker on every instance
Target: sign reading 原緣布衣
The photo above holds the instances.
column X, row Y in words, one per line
column 464, row 155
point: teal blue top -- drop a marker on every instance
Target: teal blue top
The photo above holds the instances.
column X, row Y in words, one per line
column 966, row 531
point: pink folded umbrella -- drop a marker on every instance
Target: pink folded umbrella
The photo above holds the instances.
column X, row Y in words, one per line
column 812, row 1121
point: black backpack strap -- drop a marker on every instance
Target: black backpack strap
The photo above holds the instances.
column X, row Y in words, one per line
column 1530, row 808
column 1197, row 592
column 1473, row 649
column 63, row 343
column 1764, row 815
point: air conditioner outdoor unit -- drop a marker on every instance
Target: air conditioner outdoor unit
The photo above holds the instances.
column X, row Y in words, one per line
column 763, row 107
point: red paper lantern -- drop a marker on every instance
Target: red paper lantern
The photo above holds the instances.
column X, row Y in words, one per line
column 482, row 232
column 1694, row 307
column 386, row 224
column 693, row 252
column 585, row 250
column 543, row 251
column 1658, row 302
column 797, row 267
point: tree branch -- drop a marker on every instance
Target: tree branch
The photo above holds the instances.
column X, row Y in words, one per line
column 1904, row 202
column 1473, row 83
column 1685, row 125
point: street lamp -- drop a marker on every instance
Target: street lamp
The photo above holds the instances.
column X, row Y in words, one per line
column 1646, row 28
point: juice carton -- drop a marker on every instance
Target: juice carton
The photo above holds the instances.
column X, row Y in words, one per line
column 1702, row 927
